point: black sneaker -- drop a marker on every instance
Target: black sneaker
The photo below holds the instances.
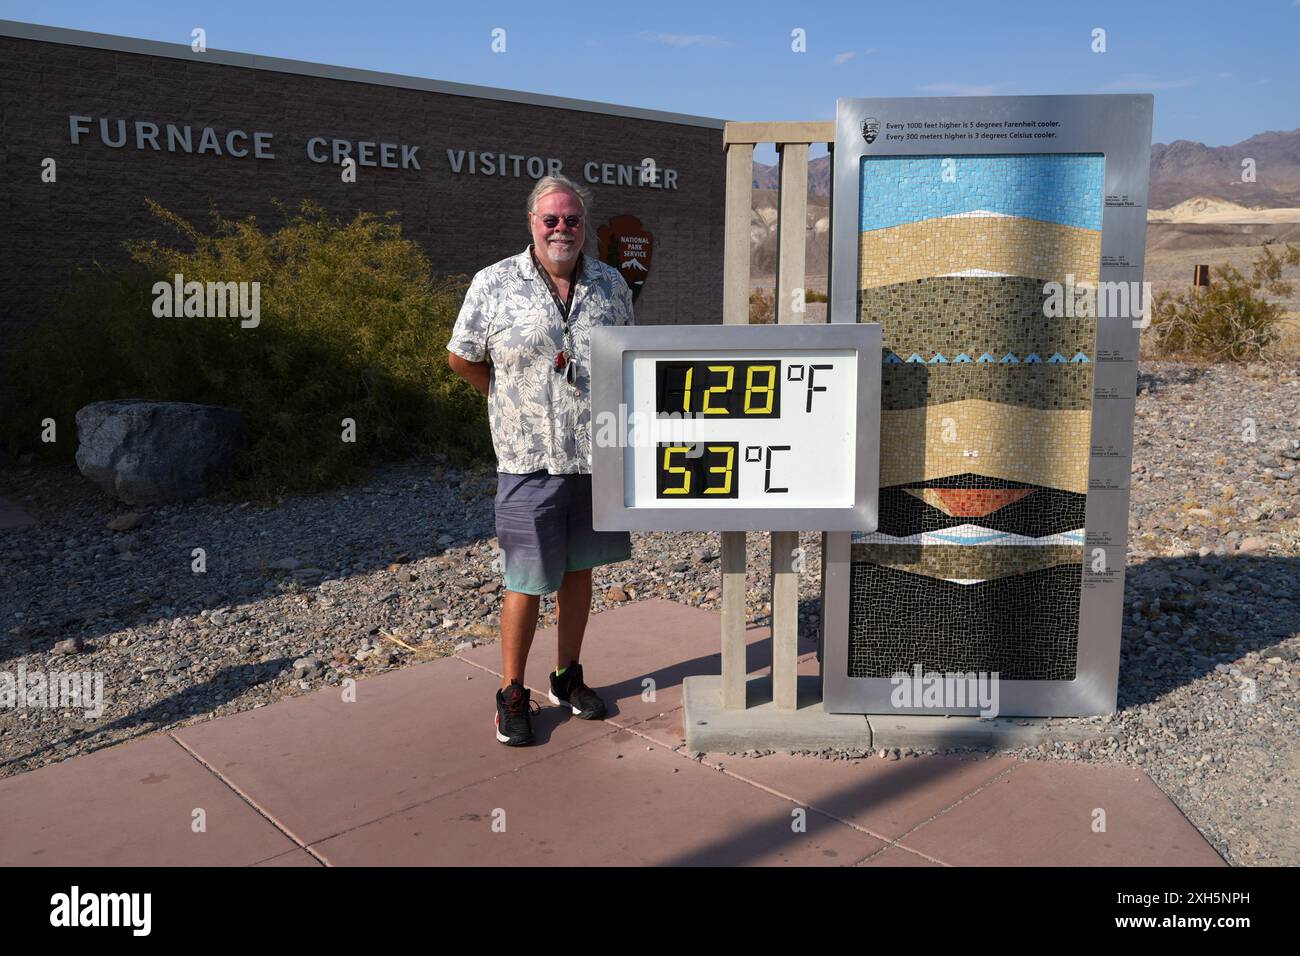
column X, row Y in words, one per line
column 514, row 723
column 569, row 689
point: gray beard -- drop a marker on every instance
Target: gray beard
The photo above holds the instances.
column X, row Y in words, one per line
column 562, row 253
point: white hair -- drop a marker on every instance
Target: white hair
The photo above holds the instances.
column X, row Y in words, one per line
column 557, row 183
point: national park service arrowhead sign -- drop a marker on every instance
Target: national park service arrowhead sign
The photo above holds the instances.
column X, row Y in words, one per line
column 627, row 246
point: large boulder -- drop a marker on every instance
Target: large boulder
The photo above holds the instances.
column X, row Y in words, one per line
column 157, row 452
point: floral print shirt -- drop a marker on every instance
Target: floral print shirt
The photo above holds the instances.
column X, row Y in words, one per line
column 539, row 421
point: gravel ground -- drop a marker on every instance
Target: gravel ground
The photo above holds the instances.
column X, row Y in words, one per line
column 355, row 582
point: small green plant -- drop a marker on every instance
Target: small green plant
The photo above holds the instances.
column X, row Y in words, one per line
column 1230, row 319
column 762, row 307
column 352, row 327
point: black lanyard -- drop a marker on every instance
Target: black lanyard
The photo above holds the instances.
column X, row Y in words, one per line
column 566, row 304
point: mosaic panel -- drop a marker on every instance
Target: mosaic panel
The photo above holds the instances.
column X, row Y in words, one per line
column 1060, row 187
column 974, row 316
column 904, row 509
column 966, row 565
column 1000, row 441
column 996, row 244
column 986, row 413
column 1026, row 627
column 1042, row 385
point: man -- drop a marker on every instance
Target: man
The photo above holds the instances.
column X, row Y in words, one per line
column 523, row 338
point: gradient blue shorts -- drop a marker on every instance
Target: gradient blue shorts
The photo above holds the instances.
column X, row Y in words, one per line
column 544, row 529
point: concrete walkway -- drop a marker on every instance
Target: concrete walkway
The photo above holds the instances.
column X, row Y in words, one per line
column 411, row 774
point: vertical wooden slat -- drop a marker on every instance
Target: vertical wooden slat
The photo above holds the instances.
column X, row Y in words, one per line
column 735, row 311
column 792, row 230
column 733, row 620
column 739, row 211
column 785, row 620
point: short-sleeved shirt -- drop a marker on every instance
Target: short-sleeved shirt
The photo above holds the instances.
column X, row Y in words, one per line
column 539, row 421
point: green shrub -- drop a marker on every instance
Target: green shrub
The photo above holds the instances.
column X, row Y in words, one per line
column 1229, row 319
column 762, row 307
column 351, row 326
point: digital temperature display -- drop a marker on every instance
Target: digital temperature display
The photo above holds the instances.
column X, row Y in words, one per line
column 729, row 428
column 719, row 389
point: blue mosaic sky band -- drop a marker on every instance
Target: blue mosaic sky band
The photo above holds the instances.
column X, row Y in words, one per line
column 1060, row 188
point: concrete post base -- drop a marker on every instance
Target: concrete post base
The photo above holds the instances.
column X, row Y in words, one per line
column 761, row 726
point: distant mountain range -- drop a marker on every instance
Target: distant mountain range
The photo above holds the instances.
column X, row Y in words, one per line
column 1180, row 170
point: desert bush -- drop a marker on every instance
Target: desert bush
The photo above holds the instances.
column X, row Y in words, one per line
column 1230, row 319
column 352, row 326
column 762, row 307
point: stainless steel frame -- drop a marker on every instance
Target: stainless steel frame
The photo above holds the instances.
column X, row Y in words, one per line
column 1119, row 127
column 608, row 345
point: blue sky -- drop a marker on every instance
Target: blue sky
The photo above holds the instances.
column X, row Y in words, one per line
column 1220, row 71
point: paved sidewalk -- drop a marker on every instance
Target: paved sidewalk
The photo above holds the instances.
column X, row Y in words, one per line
column 411, row 774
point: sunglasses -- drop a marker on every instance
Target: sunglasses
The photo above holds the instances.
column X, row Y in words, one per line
column 550, row 222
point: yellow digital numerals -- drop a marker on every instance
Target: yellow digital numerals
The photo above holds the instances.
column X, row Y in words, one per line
column 696, row 471
column 723, row 389
column 767, row 390
column 672, row 469
column 724, row 470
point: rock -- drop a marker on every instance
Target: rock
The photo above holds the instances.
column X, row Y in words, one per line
column 341, row 657
column 305, row 667
column 465, row 646
column 1254, row 545
column 405, row 576
column 146, row 452
column 616, row 593
column 72, row 645
column 285, row 564
column 492, row 587
column 126, row 522
column 705, row 555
